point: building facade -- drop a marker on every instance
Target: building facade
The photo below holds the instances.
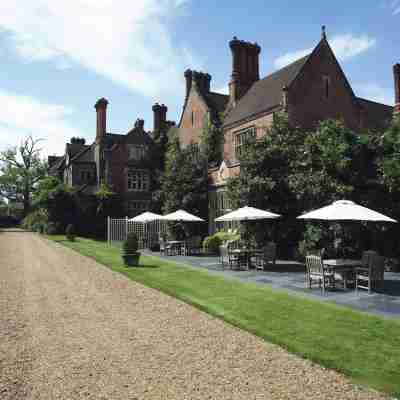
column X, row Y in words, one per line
column 308, row 90
column 122, row 162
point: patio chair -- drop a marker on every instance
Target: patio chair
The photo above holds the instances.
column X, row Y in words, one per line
column 371, row 275
column 165, row 248
column 237, row 260
column 224, row 256
column 268, row 255
column 315, row 271
column 193, row 246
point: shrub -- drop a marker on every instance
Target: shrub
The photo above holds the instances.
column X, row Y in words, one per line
column 36, row 220
column 211, row 244
column 70, row 232
column 131, row 245
column 227, row 236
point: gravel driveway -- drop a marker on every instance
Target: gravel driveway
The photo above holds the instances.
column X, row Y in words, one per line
column 72, row 329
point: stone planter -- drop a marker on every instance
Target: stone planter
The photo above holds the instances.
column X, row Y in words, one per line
column 131, row 260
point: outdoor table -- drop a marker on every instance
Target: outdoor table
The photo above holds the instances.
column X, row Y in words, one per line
column 246, row 253
column 179, row 245
column 342, row 266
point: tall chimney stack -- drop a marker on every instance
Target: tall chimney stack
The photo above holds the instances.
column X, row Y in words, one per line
column 159, row 116
column 101, row 118
column 245, row 68
column 396, row 74
column 188, row 78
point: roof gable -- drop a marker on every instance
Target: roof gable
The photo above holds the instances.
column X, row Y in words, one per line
column 138, row 136
column 266, row 93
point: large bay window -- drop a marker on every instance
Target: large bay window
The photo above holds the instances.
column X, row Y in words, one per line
column 138, row 180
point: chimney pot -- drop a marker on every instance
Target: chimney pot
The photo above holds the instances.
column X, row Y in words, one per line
column 159, row 116
column 101, row 118
column 245, row 67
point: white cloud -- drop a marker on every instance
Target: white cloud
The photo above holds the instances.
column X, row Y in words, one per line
column 345, row 46
column 395, row 5
column 127, row 41
column 223, row 89
column 372, row 91
column 21, row 116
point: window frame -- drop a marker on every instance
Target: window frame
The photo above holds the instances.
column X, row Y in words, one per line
column 243, row 137
column 140, row 151
column 139, row 184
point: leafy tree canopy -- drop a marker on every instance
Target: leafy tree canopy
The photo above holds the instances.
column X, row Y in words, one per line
column 20, row 171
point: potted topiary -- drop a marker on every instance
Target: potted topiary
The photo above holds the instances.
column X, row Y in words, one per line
column 130, row 255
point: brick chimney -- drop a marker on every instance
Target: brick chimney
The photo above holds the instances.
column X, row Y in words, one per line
column 159, row 116
column 396, row 74
column 139, row 124
column 245, row 67
column 101, row 121
column 188, row 78
column 202, row 80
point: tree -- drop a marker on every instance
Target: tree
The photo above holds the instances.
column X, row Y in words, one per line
column 20, row 171
column 212, row 140
column 290, row 171
column 58, row 200
column 184, row 183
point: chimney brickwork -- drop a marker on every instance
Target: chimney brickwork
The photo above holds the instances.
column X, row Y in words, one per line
column 396, row 74
column 101, row 118
column 159, row 116
column 245, row 67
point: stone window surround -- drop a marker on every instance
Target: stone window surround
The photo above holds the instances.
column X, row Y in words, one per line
column 241, row 137
column 138, row 180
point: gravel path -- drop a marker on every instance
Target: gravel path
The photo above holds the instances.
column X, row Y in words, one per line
column 72, row 329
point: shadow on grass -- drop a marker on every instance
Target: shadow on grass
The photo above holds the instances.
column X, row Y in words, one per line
column 140, row 266
column 391, row 288
column 289, row 267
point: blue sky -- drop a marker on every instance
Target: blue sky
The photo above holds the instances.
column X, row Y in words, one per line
column 59, row 57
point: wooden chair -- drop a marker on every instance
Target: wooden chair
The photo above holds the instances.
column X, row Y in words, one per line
column 315, row 271
column 268, row 255
column 371, row 274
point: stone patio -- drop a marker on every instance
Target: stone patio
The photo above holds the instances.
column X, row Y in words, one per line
column 290, row 276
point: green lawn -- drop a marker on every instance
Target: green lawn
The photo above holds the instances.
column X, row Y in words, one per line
column 365, row 348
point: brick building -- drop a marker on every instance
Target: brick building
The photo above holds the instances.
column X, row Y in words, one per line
column 122, row 162
column 309, row 90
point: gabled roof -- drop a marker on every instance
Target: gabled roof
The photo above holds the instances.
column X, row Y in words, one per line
column 216, row 101
column 58, row 164
column 74, row 148
column 265, row 93
column 376, row 115
column 85, row 155
column 138, row 136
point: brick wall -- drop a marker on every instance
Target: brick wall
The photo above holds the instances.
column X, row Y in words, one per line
column 307, row 102
column 190, row 132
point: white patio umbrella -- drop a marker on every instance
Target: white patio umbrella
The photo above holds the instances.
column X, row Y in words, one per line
column 181, row 216
column 346, row 210
column 147, row 217
column 247, row 214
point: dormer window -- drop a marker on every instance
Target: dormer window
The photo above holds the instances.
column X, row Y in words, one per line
column 326, row 85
